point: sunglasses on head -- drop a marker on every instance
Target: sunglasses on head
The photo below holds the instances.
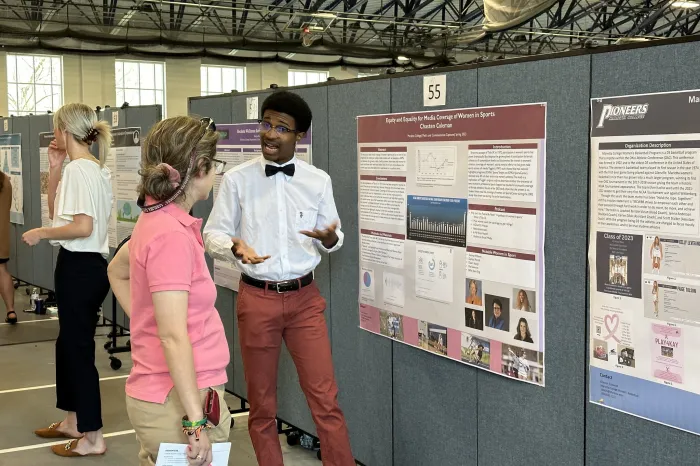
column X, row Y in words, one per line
column 208, row 123
column 219, row 165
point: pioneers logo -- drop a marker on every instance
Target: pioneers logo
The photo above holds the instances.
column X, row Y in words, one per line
column 622, row 112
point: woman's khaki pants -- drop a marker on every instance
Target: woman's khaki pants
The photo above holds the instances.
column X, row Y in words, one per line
column 156, row 423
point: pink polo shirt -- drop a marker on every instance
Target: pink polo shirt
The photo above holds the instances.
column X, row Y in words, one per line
column 166, row 253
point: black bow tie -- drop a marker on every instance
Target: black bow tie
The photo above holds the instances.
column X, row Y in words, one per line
column 288, row 170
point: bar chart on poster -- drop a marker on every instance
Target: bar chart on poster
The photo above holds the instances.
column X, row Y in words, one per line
column 451, row 217
column 644, row 255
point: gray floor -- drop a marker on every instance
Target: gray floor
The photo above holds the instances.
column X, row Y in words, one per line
column 27, row 401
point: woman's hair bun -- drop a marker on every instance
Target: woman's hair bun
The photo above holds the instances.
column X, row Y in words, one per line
column 156, row 182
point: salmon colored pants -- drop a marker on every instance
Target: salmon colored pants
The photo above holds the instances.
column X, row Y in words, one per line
column 265, row 317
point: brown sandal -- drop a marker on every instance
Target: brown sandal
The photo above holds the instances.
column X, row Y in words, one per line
column 68, row 450
column 52, row 432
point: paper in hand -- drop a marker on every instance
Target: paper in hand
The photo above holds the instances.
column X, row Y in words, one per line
column 175, row 454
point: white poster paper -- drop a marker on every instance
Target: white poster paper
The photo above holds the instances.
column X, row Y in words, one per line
column 11, row 164
column 451, row 217
column 175, row 454
column 124, row 161
column 44, row 142
column 644, row 256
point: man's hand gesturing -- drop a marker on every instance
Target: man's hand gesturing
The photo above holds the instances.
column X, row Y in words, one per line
column 245, row 253
column 327, row 237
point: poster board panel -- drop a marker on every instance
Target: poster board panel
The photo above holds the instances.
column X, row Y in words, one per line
column 459, row 421
column 638, row 441
column 559, row 407
column 362, row 361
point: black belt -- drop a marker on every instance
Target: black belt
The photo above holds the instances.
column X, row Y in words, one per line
column 280, row 287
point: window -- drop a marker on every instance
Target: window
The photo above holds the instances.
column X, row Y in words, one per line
column 34, row 83
column 222, row 79
column 140, row 83
column 300, row 78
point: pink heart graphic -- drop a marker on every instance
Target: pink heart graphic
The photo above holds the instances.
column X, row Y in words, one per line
column 612, row 321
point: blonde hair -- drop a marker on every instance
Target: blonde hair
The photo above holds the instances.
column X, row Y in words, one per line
column 524, row 302
column 82, row 123
column 173, row 141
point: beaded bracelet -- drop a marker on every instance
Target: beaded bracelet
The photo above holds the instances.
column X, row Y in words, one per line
column 192, row 424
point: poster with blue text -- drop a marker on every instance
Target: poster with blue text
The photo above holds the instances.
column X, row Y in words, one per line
column 644, row 256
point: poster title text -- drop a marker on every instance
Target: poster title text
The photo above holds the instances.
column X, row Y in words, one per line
column 432, row 121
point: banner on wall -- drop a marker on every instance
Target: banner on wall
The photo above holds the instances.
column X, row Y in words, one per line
column 124, row 161
column 238, row 144
column 11, row 163
column 644, row 252
column 451, row 220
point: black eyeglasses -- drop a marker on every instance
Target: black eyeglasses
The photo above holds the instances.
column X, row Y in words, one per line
column 219, row 166
column 281, row 130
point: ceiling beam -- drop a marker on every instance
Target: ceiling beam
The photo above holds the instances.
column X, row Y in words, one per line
column 244, row 18
column 266, row 17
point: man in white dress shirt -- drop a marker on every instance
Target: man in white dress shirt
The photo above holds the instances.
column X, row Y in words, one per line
column 273, row 217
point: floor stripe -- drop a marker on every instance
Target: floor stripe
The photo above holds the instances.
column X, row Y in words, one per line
column 50, row 319
column 62, row 442
column 40, row 387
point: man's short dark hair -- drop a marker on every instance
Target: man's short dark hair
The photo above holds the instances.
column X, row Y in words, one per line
column 497, row 302
column 291, row 104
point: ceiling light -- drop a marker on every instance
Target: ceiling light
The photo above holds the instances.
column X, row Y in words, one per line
column 324, row 15
column 233, row 52
column 124, row 22
column 685, row 4
column 402, row 58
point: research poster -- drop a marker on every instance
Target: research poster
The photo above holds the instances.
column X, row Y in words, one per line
column 124, row 161
column 11, row 160
column 44, row 142
column 238, row 144
column 451, row 219
column 644, row 256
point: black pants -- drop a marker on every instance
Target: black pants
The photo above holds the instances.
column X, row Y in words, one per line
column 81, row 287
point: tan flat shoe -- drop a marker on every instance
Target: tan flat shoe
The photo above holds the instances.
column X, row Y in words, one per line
column 68, row 450
column 52, row 432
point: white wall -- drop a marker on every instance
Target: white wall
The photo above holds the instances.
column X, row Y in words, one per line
column 90, row 79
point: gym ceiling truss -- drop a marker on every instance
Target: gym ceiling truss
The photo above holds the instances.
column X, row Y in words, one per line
column 363, row 29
